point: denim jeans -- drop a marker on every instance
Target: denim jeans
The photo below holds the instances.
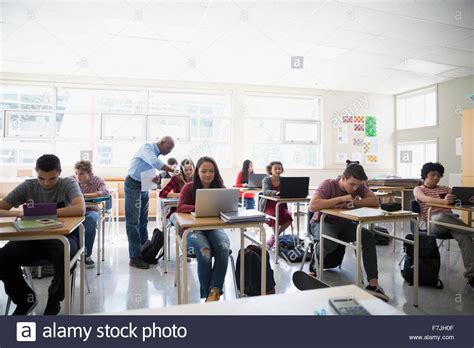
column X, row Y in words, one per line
column 136, row 216
column 249, row 203
column 205, row 245
column 90, row 224
column 346, row 231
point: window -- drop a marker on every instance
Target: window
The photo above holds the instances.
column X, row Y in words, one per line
column 285, row 127
column 159, row 126
column 28, row 124
column 31, row 98
column 123, row 126
column 77, row 126
column 417, row 109
column 412, row 155
column 23, row 152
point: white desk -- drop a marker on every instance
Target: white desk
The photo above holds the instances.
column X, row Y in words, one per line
column 468, row 209
column 299, row 303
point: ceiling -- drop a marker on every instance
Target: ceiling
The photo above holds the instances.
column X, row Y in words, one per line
column 370, row 46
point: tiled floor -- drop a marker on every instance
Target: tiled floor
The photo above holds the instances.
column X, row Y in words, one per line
column 121, row 287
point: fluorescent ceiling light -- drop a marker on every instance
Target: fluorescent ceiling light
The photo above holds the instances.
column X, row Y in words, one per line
column 423, row 66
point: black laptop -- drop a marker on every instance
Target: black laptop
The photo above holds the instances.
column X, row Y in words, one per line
column 294, row 187
column 255, row 180
column 463, row 195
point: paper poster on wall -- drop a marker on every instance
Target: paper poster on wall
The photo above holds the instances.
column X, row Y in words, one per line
column 341, row 157
column 357, row 156
column 358, row 141
column 343, row 134
column 359, row 119
column 370, row 145
column 347, row 119
column 370, row 126
column 458, row 147
column 359, row 127
column 371, row 158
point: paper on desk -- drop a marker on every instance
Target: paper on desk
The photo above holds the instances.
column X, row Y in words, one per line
column 147, row 179
column 365, row 212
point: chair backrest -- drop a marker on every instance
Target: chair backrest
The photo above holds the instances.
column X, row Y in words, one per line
column 309, row 215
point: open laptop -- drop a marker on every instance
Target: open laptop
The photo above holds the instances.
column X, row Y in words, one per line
column 210, row 202
column 255, row 180
column 463, row 194
column 35, row 211
column 294, row 187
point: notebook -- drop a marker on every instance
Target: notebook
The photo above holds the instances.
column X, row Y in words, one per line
column 35, row 225
column 365, row 212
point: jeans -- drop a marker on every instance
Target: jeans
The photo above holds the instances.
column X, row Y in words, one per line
column 90, row 224
column 205, row 245
column 23, row 253
column 463, row 238
column 346, row 231
column 136, row 216
column 249, row 203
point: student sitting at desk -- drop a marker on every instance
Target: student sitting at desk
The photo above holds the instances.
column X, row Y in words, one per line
column 271, row 187
column 243, row 180
column 91, row 187
column 177, row 182
column 205, row 244
column 47, row 188
column 163, row 174
column 431, row 192
column 347, row 191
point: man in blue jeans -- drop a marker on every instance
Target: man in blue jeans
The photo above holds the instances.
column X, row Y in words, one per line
column 136, row 200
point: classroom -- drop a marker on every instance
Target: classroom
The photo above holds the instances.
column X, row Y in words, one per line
column 156, row 156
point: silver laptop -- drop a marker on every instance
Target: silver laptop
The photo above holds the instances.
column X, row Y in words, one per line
column 210, row 202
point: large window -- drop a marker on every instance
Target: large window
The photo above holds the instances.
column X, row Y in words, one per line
column 417, row 109
column 412, row 155
column 282, row 127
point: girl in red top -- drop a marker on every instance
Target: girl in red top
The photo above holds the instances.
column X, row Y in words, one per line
column 206, row 244
column 243, row 181
column 271, row 187
column 175, row 185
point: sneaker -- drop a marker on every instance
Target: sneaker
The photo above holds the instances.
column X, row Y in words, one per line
column 138, row 262
column 471, row 282
column 214, row 295
column 53, row 307
column 89, row 263
column 377, row 291
column 271, row 242
column 28, row 306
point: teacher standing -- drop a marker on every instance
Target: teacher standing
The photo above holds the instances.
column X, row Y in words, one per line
column 136, row 200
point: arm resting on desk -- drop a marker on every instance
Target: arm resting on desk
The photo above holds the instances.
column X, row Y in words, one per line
column 77, row 208
column 266, row 187
column 420, row 196
column 369, row 200
column 5, row 209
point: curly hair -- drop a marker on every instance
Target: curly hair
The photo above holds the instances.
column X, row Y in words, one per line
column 431, row 167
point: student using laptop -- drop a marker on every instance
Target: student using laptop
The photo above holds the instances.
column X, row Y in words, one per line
column 431, row 192
column 271, row 187
column 48, row 187
column 347, row 191
column 176, row 184
column 206, row 244
column 91, row 187
column 243, row 180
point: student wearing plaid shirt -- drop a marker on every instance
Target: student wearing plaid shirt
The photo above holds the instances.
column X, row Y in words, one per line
column 174, row 186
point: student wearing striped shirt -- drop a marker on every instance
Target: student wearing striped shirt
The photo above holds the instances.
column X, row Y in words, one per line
column 431, row 192
column 91, row 187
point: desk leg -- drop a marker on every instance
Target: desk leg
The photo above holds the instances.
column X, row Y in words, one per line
column 416, row 246
column 67, row 270
column 394, row 228
column 185, row 266
column 166, row 235
column 358, row 252
column 428, row 222
column 321, row 245
column 402, row 194
column 242, row 264
column 82, row 292
column 277, row 230
column 100, row 231
column 298, row 220
column 263, row 285
column 178, row 264
column 103, row 234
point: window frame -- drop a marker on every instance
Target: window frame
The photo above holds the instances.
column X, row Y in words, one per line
column 423, row 91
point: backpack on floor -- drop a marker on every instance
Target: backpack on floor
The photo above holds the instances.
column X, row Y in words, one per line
column 331, row 260
column 430, row 262
column 379, row 239
column 292, row 248
column 252, row 276
column 152, row 250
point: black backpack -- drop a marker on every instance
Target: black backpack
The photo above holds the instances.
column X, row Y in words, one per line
column 331, row 260
column 292, row 248
column 150, row 249
column 430, row 262
column 379, row 239
column 253, row 264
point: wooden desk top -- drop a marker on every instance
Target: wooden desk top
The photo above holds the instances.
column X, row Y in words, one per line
column 449, row 206
column 186, row 220
column 295, row 303
column 390, row 217
column 70, row 223
column 286, row 200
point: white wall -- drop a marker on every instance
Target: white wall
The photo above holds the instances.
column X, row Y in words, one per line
column 334, row 105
